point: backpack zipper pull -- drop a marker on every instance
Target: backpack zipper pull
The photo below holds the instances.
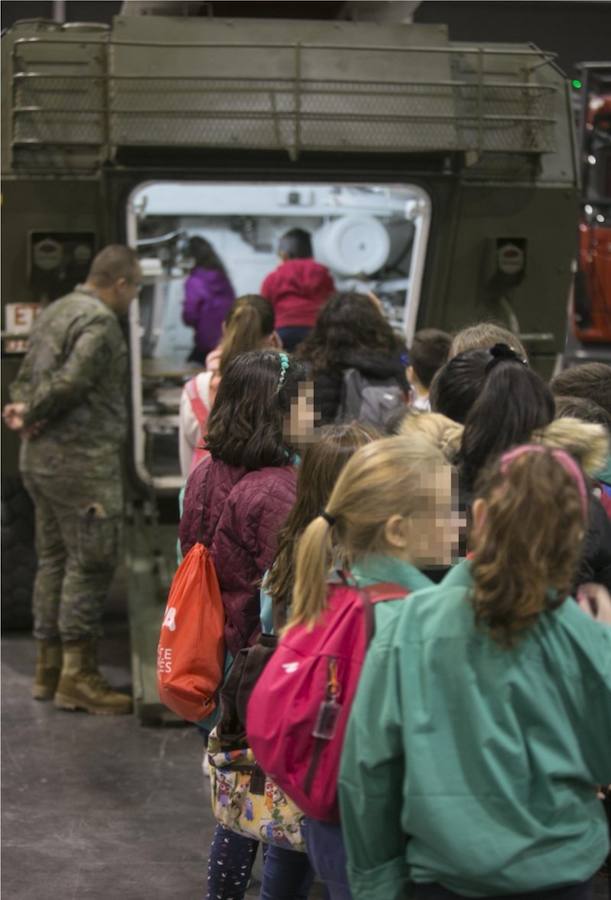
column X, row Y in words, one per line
column 329, row 710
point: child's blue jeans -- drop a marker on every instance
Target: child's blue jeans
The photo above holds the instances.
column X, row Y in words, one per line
column 287, row 875
column 328, row 857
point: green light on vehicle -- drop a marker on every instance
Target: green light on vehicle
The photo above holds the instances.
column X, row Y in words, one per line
column 577, row 84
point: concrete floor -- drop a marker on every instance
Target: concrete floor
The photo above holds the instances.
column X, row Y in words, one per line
column 97, row 808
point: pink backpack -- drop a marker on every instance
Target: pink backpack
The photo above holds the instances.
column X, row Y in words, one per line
column 201, row 411
column 299, row 708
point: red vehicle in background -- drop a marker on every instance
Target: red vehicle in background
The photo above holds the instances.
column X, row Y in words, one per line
column 591, row 310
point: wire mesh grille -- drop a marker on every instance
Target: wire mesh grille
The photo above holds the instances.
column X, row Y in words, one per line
column 503, row 109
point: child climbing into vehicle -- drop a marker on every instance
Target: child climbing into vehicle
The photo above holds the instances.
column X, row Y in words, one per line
column 208, row 296
column 298, row 288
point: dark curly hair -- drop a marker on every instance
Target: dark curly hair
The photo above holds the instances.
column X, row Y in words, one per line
column 347, row 322
column 246, row 425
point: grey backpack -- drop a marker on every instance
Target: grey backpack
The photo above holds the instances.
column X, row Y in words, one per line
column 368, row 400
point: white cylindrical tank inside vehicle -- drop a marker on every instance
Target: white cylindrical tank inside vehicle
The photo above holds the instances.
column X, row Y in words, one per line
column 352, row 245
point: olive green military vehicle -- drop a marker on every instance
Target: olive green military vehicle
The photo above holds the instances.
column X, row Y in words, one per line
column 442, row 175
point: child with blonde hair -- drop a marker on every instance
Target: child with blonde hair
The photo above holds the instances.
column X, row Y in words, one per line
column 389, row 513
column 436, row 428
column 286, row 872
column 482, row 720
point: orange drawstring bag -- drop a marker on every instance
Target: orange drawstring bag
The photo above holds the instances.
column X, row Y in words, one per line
column 191, row 650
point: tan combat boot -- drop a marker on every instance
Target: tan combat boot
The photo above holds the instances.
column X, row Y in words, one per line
column 81, row 686
column 48, row 667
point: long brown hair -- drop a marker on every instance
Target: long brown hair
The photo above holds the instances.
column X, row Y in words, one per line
column 248, row 322
column 384, row 478
column 246, row 426
column 319, row 470
column 529, row 544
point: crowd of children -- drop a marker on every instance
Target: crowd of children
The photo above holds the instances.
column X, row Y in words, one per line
column 473, row 742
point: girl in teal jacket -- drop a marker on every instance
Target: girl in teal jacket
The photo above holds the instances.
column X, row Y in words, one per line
column 389, row 514
column 482, row 722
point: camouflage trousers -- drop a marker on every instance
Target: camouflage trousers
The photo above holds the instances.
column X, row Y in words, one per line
column 78, row 528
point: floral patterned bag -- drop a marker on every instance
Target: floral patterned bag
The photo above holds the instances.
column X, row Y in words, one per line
column 246, row 801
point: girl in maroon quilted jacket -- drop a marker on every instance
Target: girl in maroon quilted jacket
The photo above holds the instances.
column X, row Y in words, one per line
column 242, row 493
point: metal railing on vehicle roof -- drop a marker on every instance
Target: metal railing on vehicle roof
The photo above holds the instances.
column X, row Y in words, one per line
column 106, row 93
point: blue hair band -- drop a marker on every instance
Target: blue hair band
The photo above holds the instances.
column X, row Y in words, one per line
column 284, row 367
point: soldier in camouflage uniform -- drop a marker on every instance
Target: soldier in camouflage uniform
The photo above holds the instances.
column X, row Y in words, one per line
column 69, row 403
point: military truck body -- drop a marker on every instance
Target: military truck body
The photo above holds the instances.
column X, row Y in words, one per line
column 443, row 174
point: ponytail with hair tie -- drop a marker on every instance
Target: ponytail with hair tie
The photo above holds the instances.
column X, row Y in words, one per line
column 528, row 542
column 249, row 321
column 331, row 520
column 503, row 353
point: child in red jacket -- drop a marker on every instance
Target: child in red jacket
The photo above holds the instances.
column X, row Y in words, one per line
column 297, row 288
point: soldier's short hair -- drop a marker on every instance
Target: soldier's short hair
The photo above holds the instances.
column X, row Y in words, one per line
column 483, row 336
column 113, row 262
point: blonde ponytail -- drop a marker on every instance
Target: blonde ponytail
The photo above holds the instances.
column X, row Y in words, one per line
column 314, row 560
column 441, row 431
column 384, row 478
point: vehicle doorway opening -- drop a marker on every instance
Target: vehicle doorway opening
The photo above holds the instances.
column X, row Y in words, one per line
column 372, row 238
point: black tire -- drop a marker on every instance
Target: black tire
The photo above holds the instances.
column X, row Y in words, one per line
column 18, row 555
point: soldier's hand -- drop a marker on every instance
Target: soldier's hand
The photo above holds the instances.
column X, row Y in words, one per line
column 13, row 414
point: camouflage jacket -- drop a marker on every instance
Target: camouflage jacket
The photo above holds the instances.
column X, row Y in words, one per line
column 73, row 380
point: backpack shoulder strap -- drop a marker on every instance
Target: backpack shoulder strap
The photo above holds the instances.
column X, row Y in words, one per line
column 204, row 382
column 386, row 590
column 375, row 593
column 378, row 593
column 200, row 410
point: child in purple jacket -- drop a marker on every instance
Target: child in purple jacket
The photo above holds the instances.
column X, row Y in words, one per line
column 208, row 298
